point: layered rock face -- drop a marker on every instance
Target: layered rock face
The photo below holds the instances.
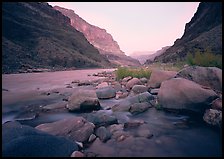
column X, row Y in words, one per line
column 99, row 38
column 34, row 35
column 204, row 31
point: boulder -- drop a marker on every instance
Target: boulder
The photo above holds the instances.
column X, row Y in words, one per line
column 101, row 85
column 213, row 117
column 144, row 80
column 206, row 76
column 101, row 119
column 25, row 141
column 103, row 134
column 126, row 103
column 158, row 76
column 132, row 82
column 139, row 89
column 76, row 128
column 83, row 100
column 183, row 94
column 137, row 108
column 126, row 79
column 106, row 92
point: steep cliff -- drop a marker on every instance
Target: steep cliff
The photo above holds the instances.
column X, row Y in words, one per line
column 35, row 35
column 99, row 38
column 204, row 31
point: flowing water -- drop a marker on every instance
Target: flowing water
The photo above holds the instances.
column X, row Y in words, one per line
column 173, row 134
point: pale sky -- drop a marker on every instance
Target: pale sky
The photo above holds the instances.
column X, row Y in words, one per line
column 137, row 26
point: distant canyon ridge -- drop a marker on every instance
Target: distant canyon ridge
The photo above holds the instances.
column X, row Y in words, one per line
column 99, row 38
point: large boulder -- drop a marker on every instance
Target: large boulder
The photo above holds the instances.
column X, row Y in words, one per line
column 139, row 89
column 206, row 76
column 83, row 100
column 126, row 103
column 158, row 76
column 183, row 94
column 106, row 92
column 25, row 141
column 76, row 128
column 132, row 82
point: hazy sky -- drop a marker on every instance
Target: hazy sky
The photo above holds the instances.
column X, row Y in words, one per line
column 137, row 26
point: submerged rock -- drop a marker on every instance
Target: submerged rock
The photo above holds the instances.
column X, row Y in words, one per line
column 103, row 134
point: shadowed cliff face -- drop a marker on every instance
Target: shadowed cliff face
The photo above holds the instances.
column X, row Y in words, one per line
column 36, row 35
column 204, row 31
column 99, row 38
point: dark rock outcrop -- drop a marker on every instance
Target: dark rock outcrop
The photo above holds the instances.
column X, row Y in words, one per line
column 204, row 31
column 34, row 35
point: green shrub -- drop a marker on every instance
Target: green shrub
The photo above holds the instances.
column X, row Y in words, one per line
column 138, row 73
column 206, row 59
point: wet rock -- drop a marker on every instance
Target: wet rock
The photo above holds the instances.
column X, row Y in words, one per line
column 117, row 86
column 206, row 76
column 126, row 104
column 59, row 105
column 84, row 83
column 213, row 117
column 126, row 79
column 25, row 141
column 158, row 76
column 144, row 131
column 120, row 95
column 144, row 80
column 92, row 138
column 154, row 91
column 137, row 108
column 101, row 119
column 76, row 128
column 83, row 100
column 115, row 127
column 101, row 85
column 183, row 94
column 106, row 92
column 217, row 104
column 103, row 134
column 132, row 82
column 77, row 154
column 139, row 89
column 69, row 86
column 133, row 123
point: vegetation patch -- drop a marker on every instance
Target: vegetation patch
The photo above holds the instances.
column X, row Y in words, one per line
column 206, row 59
column 122, row 72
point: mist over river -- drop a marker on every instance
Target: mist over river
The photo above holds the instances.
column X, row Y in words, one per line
column 23, row 95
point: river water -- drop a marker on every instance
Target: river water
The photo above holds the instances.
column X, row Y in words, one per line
column 172, row 136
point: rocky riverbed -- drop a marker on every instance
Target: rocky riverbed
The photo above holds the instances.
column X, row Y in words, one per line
column 86, row 113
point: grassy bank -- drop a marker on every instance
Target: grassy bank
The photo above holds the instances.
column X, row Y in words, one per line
column 122, row 72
